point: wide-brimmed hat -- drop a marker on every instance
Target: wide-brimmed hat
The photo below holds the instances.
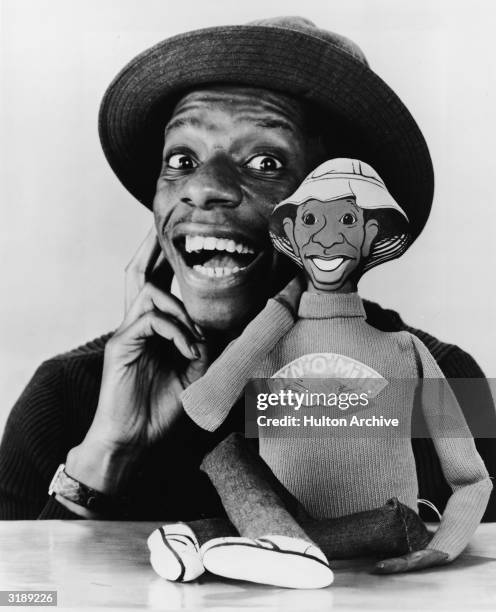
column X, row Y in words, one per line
column 342, row 178
column 288, row 55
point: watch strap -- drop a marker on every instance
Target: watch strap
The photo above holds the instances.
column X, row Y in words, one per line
column 77, row 492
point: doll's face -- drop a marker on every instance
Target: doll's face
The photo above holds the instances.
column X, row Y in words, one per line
column 331, row 239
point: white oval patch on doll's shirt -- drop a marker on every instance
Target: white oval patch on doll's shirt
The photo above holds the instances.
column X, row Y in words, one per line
column 332, row 365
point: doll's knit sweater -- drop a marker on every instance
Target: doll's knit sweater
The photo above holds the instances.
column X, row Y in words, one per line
column 350, row 470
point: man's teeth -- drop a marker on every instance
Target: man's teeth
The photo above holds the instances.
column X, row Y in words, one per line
column 328, row 265
column 216, row 272
column 210, row 243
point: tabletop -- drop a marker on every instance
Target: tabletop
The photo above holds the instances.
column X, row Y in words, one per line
column 104, row 565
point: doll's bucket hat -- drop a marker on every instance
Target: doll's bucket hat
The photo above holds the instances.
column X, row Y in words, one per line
column 288, row 55
column 342, row 178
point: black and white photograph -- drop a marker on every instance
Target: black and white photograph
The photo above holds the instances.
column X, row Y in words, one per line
column 248, row 316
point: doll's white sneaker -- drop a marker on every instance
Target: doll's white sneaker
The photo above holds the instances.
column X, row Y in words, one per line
column 175, row 553
column 275, row 560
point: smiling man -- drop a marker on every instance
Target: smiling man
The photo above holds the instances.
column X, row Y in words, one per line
column 229, row 154
column 209, row 129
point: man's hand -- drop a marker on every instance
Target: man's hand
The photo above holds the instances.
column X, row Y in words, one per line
column 139, row 397
column 139, row 394
column 411, row 562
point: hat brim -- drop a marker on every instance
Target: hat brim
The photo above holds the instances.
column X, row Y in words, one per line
column 369, row 194
column 139, row 102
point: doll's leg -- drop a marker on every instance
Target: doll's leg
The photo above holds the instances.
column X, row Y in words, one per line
column 390, row 530
column 175, row 547
column 273, row 548
column 254, row 500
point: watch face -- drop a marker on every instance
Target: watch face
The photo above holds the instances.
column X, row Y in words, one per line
column 53, row 488
column 67, row 487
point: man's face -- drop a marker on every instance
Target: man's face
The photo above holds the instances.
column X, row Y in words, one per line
column 229, row 156
column 331, row 239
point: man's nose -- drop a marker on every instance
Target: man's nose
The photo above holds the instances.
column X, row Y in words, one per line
column 214, row 183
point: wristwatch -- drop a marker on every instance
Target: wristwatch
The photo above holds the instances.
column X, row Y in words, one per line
column 71, row 489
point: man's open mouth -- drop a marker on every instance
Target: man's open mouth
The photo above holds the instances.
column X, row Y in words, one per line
column 216, row 257
column 328, row 265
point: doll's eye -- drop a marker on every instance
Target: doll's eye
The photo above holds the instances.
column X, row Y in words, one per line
column 308, row 218
column 348, row 219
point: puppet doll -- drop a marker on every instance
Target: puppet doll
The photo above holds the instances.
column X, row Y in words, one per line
column 339, row 223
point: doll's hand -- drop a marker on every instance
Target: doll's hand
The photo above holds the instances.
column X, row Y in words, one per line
column 411, row 562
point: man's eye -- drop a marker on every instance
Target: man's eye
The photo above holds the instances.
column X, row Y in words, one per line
column 264, row 163
column 348, row 219
column 309, row 218
column 181, row 161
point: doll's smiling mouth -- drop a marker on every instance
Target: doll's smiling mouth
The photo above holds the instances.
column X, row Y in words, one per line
column 328, row 265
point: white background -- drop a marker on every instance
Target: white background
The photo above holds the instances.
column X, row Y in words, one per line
column 68, row 228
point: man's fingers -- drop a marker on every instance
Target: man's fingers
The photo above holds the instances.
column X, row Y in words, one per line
column 151, row 298
column 197, row 367
column 140, row 266
column 128, row 343
column 417, row 560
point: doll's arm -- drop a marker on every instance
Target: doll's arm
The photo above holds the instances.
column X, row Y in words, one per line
column 209, row 400
column 462, row 466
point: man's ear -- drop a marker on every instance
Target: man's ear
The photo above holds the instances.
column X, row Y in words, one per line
column 288, row 225
column 371, row 230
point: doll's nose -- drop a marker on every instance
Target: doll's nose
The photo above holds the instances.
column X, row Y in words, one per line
column 328, row 238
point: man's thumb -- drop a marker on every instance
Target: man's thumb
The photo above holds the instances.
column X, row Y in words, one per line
column 198, row 367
